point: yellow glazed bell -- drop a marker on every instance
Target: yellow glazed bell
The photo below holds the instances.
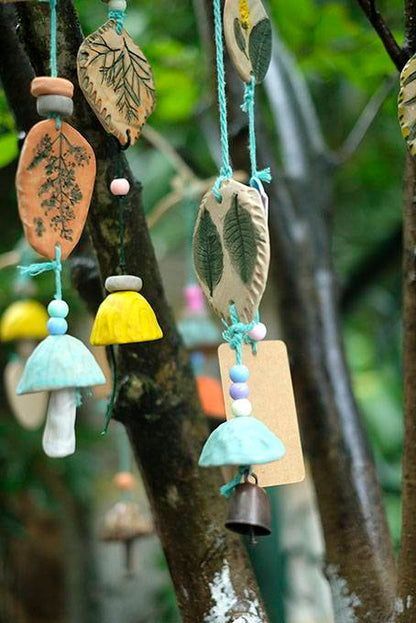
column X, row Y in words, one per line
column 125, row 316
column 24, row 320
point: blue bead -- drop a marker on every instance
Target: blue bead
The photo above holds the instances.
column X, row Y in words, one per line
column 57, row 326
column 58, row 309
column 239, row 374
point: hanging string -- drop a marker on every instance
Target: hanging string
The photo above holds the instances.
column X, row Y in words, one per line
column 33, row 270
column 227, row 489
column 248, row 107
column 110, row 406
column 236, row 333
column 53, row 55
column 226, row 171
column 119, row 17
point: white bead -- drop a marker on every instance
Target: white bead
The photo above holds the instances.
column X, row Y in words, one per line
column 119, row 283
column 242, row 406
column 117, row 5
column 59, row 104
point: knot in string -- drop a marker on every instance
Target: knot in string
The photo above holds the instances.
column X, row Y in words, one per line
column 248, row 106
column 236, row 333
column 33, row 270
column 118, row 16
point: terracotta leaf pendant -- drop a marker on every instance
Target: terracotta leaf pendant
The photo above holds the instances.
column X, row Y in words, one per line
column 55, row 180
column 231, row 249
column 248, row 35
column 407, row 104
column 117, row 81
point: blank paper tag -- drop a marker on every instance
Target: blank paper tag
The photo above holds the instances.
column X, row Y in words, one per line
column 271, row 395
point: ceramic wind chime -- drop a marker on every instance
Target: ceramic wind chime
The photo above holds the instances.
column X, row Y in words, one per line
column 117, row 82
column 231, row 257
column 55, row 180
column 125, row 522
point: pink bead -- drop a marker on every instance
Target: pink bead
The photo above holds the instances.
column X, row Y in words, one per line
column 120, row 186
column 258, row 332
column 194, row 298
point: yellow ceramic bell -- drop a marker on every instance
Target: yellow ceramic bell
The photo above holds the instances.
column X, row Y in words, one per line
column 124, row 316
column 24, row 320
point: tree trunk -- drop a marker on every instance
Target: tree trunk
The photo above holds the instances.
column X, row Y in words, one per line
column 359, row 557
column 157, row 398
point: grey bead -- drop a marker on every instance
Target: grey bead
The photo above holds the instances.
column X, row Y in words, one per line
column 118, row 283
column 58, row 104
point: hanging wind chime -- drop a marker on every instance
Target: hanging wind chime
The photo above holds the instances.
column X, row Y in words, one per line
column 231, row 257
column 55, row 180
column 117, row 82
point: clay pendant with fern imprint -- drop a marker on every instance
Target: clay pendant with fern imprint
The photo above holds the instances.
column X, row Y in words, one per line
column 407, row 104
column 117, row 81
column 54, row 181
column 248, row 36
column 231, row 249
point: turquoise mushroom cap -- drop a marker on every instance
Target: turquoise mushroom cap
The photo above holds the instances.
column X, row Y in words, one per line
column 58, row 362
column 243, row 440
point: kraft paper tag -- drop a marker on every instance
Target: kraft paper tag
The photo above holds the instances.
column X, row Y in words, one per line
column 271, row 394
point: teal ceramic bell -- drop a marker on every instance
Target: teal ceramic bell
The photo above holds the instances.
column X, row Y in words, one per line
column 60, row 364
column 242, row 440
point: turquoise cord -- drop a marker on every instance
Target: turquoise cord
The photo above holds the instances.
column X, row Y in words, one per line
column 248, row 107
column 119, row 17
column 33, row 270
column 227, row 489
column 236, row 333
column 53, row 55
column 226, row 171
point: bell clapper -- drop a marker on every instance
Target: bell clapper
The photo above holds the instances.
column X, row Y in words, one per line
column 252, row 538
column 59, row 434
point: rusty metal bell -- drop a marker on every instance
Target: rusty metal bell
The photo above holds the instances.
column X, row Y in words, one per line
column 249, row 510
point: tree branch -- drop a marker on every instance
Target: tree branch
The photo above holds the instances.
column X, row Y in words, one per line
column 398, row 55
column 157, row 399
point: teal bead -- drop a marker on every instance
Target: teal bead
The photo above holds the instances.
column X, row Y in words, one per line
column 239, row 374
column 57, row 326
column 58, row 309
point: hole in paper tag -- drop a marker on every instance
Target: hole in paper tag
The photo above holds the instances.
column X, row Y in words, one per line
column 271, row 394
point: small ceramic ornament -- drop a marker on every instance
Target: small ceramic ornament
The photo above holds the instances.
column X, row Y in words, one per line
column 117, row 81
column 232, row 250
column 60, row 365
column 248, row 36
column 124, row 316
column 407, row 104
column 23, row 322
column 55, row 175
column 197, row 329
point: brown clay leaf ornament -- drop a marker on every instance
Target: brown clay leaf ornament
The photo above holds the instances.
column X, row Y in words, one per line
column 117, row 81
column 54, row 181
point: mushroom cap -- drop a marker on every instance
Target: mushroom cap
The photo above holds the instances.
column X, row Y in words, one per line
column 124, row 317
column 125, row 521
column 243, row 440
column 57, row 362
column 24, row 320
column 211, row 396
column 198, row 330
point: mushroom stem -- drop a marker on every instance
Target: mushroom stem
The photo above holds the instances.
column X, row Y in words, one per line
column 59, row 434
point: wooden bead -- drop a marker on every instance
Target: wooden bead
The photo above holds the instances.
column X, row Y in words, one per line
column 58, row 104
column 45, row 85
column 124, row 481
column 120, row 283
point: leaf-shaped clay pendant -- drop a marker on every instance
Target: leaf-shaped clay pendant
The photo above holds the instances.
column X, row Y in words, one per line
column 117, row 81
column 55, row 179
column 231, row 249
column 407, row 104
column 248, row 35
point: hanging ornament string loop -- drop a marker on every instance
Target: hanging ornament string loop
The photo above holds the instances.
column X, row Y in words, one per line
column 33, row 270
column 53, row 55
column 226, row 171
column 118, row 16
column 227, row 489
column 236, row 333
column 248, row 106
